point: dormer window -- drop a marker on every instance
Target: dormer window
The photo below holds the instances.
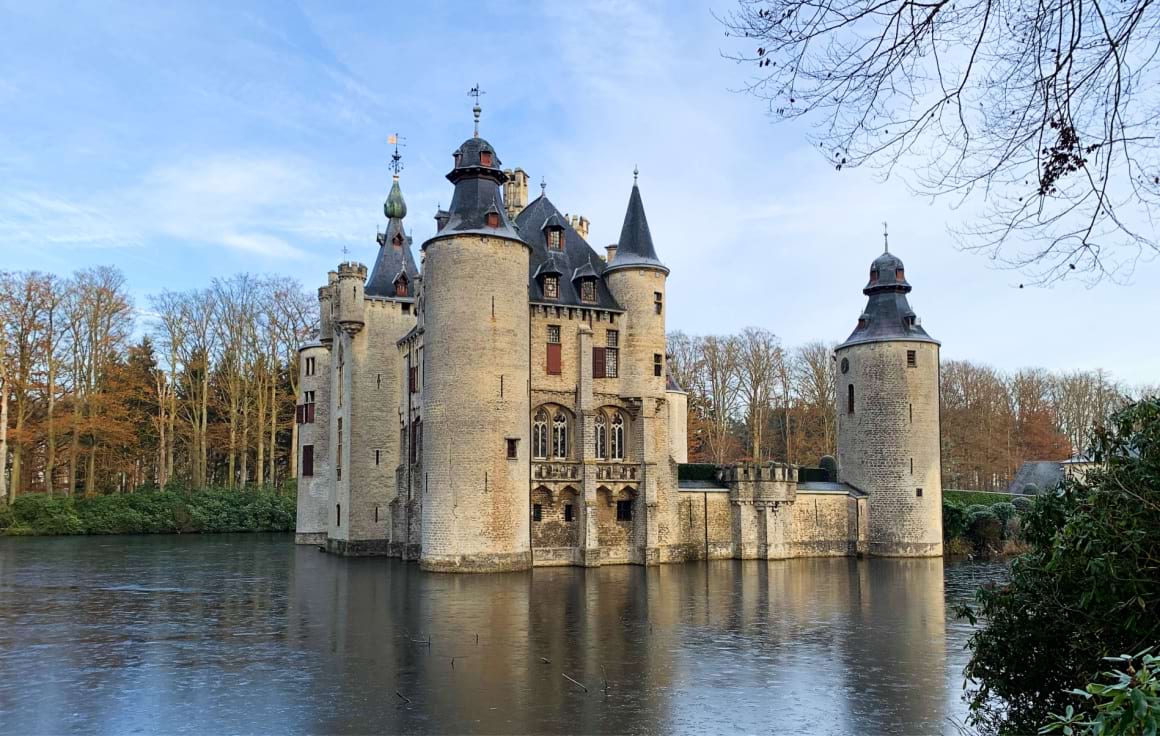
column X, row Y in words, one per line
column 555, row 239
column 551, row 287
column 485, row 158
column 588, row 290
column 493, row 219
column 397, row 241
column 899, row 274
column 873, row 276
column 401, row 286
column 862, row 322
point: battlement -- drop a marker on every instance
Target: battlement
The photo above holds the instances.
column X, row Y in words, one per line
column 352, row 270
column 764, row 482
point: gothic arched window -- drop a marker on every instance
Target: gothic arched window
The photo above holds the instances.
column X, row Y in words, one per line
column 617, row 436
column 601, row 436
column 540, row 435
column 560, row 435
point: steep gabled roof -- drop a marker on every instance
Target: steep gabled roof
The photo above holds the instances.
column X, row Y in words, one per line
column 577, row 255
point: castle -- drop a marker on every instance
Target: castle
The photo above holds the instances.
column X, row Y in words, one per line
column 508, row 405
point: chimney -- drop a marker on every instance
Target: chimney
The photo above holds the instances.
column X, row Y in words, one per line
column 611, row 253
column 515, row 192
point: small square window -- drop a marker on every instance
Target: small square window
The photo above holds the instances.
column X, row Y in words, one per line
column 568, row 515
column 911, row 359
column 537, row 512
column 485, row 158
column 551, row 287
column 554, row 333
column 624, row 510
column 513, row 448
column 918, row 492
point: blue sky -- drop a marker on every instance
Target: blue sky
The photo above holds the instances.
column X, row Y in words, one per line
column 181, row 142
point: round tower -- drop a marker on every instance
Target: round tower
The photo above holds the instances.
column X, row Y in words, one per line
column 475, row 512
column 888, row 418
column 349, row 287
column 636, row 278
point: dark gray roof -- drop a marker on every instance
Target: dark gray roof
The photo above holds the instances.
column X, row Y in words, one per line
column 635, row 247
column 710, row 486
column 1045, row 474
column 888, row 315
column 575, row 262
column 827, row 487
column 395, row 258
column 477, row 192
column 670, row 382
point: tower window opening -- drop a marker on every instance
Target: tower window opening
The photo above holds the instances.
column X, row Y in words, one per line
column 658, row 301
column 397, row 241
column 862, row 322
column 537, row 512
column 912, row 413
column 377, row 454
column 493, row 219
column 338, row 514
column 899, row 274
column 624, row 510
column 568, row 515
column 911, row 359
column 912, row 466
column 513, row 448
column 873, row 276
column 601, row 436
column 540, row 435
column 307, row 461
column 918, row 493
column 554, row 334
column 485, row 158
column 560, row 436
column 850, row 399
column 310, row 366
column 551, row 287
column 617, row 437
column 658, row 364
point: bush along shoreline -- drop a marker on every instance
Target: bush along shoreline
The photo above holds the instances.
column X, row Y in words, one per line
column 151, row 512
column 984, row 524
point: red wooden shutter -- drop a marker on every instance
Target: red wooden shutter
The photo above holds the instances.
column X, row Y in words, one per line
column 310, row 413
column 307, row 461
column 554, row 368
column 598, row 362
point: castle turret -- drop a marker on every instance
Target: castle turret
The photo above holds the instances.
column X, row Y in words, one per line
column 349, row 293
column 888, row 417
column 475, row 510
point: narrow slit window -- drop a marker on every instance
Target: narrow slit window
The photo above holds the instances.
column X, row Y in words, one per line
column 658, row 364
column 658, row 301
column 513, row 448
column 537, row 512
column 911, row 359
column 568, row 515
column 850, row 399
column 918, row 493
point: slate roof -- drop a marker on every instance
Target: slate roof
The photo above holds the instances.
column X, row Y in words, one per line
column 391, row 260
column 816, row 486
column 635, row 247
column 477, row 192
column 1045, row 474
column 576, row 261
column 888, row 315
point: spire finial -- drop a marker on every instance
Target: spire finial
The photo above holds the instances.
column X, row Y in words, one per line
column 635, row 173
column 543, row 186
column 396, row 159
column 476, row 109
column 885, row 237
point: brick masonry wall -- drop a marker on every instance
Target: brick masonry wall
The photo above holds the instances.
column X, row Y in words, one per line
column 895, row 422
column 476, row 345
column 821, row 525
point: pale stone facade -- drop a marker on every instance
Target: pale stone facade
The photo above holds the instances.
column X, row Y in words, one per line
column 510, row 407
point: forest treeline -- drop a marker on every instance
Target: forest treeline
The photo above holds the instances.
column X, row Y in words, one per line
column 752, row 398
column 194, row 388
column 197, row 389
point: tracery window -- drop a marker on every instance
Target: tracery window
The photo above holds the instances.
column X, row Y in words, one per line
column 617, row 437
column 601, row 436
column 560, row 435
column 540, row 435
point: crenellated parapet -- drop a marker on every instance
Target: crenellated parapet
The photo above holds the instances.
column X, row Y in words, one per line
column 761, row 483
column 351, row 308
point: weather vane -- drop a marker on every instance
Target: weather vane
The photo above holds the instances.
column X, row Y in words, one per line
column 476, row 109
column 396, row 159
column 345, row 251
column 635, row 173
column 885, row 236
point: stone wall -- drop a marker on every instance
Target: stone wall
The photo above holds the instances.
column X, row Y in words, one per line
column 314, row 490
column 476, row 345
column 889, row 446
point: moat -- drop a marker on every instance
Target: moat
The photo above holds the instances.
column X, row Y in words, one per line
column 252, row 634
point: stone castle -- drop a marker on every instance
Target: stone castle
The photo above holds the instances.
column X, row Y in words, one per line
column 507, row 405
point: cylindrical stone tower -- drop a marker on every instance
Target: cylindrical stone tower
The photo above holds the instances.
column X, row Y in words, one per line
column 475, row 378
column 312, row 419
column 888, row 418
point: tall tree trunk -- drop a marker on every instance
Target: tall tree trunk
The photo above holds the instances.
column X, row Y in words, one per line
column 50, row 428
column 3, row 434
column 273, row 425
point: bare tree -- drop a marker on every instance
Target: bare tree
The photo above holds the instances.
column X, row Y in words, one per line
column 814, row 385
column 720, row 383
column 3, row 419
column 1043, row 113
column 759, row 368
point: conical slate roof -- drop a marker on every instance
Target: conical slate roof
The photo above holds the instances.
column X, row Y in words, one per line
column 635, row 247
column 394, row 259
column 888, row 315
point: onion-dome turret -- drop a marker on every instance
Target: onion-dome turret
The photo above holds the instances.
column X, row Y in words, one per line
column 888, row 315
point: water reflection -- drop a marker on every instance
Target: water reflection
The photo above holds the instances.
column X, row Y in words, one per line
column 252, row 634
